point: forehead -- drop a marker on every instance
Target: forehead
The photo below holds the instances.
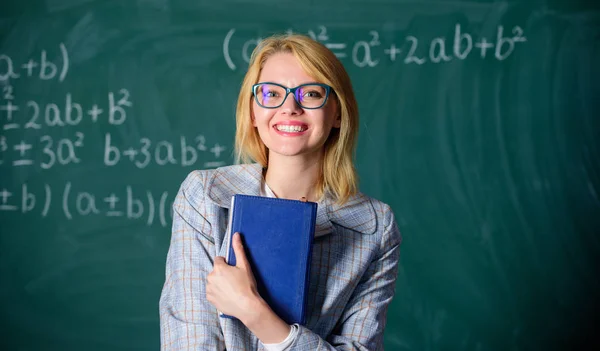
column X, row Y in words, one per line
column 284, row 68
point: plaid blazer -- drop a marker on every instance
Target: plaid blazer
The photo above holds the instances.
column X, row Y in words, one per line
column 352, row 281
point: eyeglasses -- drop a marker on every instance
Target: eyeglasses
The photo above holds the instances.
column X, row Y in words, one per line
column 308, row 96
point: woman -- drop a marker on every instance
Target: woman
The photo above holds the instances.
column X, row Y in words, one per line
column 303, row 146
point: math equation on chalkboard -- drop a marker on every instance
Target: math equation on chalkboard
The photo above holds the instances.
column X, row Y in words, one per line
column 71, row 201
column 61, row 123
column 372, row 50
column 72, row 132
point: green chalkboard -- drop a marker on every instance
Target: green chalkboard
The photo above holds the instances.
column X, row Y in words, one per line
column 480, row 126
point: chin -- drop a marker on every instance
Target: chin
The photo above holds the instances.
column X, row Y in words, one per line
column 288, row 152
column 294, row 152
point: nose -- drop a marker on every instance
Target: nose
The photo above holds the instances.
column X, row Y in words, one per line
column 290, row 106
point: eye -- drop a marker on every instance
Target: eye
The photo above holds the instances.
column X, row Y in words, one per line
column 312, row 94
column 270, row 93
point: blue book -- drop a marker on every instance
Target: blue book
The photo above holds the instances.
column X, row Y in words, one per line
column 278, row 237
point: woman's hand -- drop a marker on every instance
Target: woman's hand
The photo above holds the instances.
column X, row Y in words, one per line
column 232, row 289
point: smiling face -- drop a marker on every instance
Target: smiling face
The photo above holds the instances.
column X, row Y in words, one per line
column 290, row 130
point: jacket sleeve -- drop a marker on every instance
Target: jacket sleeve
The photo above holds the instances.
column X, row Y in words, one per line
column 362, row 323
column 187, row 320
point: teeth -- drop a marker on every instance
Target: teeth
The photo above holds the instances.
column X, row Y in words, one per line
column 287, row 128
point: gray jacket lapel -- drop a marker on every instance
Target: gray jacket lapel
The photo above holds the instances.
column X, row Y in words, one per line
column 357, row 214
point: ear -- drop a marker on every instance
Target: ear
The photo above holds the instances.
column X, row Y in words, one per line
column 337, row 123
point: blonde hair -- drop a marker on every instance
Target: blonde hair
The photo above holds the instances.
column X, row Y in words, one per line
column 338, row 176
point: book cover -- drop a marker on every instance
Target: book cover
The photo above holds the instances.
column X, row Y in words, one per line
column 278, row 237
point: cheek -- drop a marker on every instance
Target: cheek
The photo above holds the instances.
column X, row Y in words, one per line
column 260, row 117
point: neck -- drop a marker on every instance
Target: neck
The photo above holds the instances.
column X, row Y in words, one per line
column 293, row 178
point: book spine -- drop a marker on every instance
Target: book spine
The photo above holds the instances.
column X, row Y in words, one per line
column 228, row 237
column 228, row 232
column 309, row 242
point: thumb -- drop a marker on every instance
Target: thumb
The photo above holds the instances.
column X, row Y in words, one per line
column 240, row 254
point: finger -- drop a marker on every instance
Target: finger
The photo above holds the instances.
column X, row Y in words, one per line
column 240, row 254
column 219, row 260
column 209, row 296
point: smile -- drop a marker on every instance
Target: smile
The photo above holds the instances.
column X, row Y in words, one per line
column 291, row 128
